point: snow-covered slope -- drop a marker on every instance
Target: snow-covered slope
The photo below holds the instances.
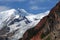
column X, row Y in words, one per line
column 37, row 16
column 16, row 22
column 6, row 15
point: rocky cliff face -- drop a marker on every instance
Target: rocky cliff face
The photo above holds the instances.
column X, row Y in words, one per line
column 47, row 29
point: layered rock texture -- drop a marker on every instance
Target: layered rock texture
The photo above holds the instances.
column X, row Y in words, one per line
column 47, row 29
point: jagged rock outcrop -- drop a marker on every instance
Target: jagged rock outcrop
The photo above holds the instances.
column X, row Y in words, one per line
column 47, row 29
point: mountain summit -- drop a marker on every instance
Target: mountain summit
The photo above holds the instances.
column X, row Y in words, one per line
column 14, row 23
column 47, row 29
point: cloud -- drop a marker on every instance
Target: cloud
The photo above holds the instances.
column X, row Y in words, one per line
column 12, row 0
column 35, row 7
column 37, row 1
column 3, row 8
column 34, row 4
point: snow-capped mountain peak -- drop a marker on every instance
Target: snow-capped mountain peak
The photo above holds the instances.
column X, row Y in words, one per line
column 23, row 12
column 19, row 20
column 17, row 16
